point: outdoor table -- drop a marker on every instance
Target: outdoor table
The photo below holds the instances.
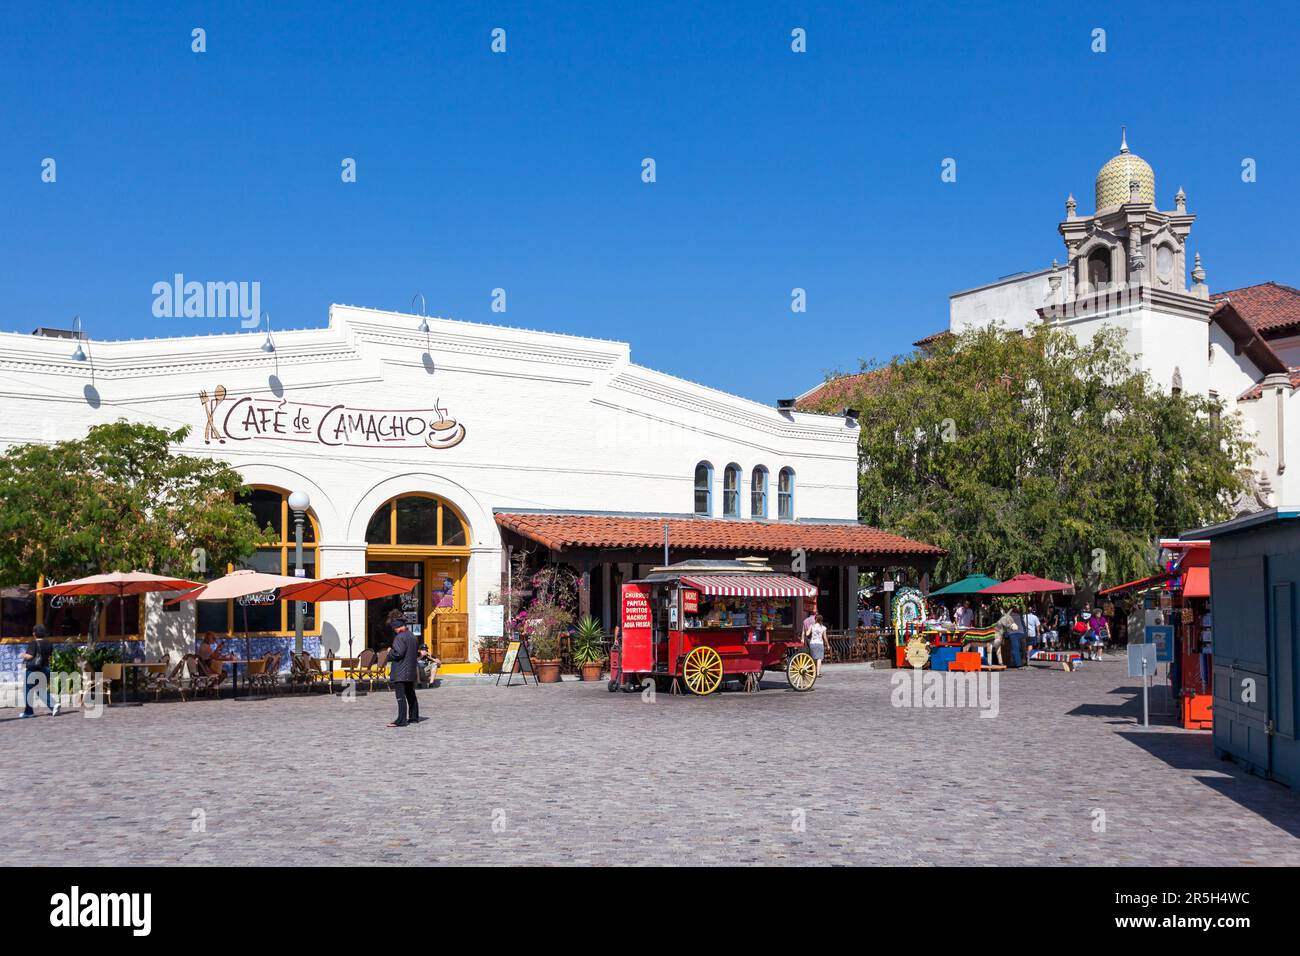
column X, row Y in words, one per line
column 234, row 676
column 134, row 667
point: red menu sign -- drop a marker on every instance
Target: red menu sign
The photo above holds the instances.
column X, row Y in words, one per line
column 638, row 647
column 690, row 601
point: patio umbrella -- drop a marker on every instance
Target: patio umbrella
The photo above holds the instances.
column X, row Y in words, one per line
column 239, row 584
column 118, row 584
column 971, row 584
column 1027, row 584
column 349, row 587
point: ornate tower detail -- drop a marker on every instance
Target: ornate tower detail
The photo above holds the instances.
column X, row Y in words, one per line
column 1127, row 241
column 1137, row 262
column 1199, row 288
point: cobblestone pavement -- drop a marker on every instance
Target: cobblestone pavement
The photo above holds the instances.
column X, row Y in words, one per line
column 572, row 774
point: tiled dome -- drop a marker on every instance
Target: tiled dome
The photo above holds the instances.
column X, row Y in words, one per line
column 1113, row 180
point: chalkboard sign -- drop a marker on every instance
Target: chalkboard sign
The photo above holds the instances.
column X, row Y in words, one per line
column 516, row 651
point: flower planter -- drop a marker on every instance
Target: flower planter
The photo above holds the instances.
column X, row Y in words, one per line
column 592, row 672
column 548, row 672
column 491, row 658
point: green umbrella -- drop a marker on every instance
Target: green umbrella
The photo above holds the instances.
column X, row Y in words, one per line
column 967, row 585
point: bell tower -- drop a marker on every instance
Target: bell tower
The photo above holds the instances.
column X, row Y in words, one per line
column 1127, row 243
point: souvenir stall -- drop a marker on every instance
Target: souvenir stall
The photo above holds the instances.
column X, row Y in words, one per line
column 1186, row 606
column 1178, row 597
column 908, row 614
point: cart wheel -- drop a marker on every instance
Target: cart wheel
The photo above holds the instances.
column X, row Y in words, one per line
column 801, row 672
column 702, row 671
column 613, row 686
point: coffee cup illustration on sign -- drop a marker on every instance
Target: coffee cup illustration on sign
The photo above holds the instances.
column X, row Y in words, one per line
column 444, row 431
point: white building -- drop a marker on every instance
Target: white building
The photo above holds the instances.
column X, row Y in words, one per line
column 429, row 447
column 1127, row 265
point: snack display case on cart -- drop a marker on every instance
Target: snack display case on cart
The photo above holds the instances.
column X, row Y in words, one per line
column 696, row 625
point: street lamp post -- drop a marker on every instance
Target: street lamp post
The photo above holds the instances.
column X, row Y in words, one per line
column 298, row 503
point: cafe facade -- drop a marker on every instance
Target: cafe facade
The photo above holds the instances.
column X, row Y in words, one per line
column 434, row 448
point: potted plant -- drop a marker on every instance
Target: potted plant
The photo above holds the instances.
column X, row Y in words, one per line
column 588, row 648
column 490, row 654
column 544, row 647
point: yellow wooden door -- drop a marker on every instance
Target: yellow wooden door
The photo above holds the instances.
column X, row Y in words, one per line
column 448, row 615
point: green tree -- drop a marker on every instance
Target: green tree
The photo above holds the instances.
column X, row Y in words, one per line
column 118, row 499
column 1039, row 453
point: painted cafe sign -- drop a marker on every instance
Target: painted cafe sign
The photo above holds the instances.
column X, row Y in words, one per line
column 253, row 417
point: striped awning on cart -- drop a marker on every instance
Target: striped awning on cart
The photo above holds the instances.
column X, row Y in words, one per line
column 750, row 585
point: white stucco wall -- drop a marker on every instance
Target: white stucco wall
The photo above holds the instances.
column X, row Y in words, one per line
column 552, row 422
column 1014, row 302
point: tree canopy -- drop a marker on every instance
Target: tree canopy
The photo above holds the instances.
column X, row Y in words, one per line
column 118, row 499
column 1039, row 453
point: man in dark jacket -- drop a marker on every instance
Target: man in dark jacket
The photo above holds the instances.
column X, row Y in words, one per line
column 403, row 669
column 37, row 662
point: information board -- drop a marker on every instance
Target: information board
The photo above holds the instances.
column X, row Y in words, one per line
column 1137, row 653
column 516, row 652
column 637, row 649
column 1162, row 636
column 490, row 621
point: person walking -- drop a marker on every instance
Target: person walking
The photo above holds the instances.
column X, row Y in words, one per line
column 403, row 671
column 817, row 642
column 1034, row 628
column 36, row 671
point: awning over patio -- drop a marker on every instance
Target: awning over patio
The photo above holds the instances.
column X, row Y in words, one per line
column 564, row 531
column 1140, row 584
column 750, row 585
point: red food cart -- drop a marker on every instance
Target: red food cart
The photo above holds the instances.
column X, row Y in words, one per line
column 702, row 623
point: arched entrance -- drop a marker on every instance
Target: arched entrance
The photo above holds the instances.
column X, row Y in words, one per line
column 421, row 536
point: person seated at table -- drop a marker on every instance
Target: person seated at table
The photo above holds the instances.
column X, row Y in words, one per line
column 209, row 656
column 427, row 664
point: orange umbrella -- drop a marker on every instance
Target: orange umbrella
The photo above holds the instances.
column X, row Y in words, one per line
column 240, row 584
column 119, row 584
column 349, row 587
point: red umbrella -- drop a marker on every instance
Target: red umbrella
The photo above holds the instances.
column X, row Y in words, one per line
column 1027, row 584
column 118, row 584
column 349, row 587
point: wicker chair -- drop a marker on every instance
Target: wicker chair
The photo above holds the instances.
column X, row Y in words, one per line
column 301, row 671
column 160, row 678
column 201, row 679
column 269, row 679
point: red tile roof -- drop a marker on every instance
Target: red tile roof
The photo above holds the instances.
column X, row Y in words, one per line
column 1270, row 307
column 561, row 531
column 838, row 392
column 932, row 338
column 1256, row 390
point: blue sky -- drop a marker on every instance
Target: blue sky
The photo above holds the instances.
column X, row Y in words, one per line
column 522, row 170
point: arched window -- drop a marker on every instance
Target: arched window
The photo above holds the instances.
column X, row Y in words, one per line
column 731, row 492
column 416, row 519
column 275, row 555
column 1099, row 268
column 703, row 488
column 758, row 493
column 785, row 494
